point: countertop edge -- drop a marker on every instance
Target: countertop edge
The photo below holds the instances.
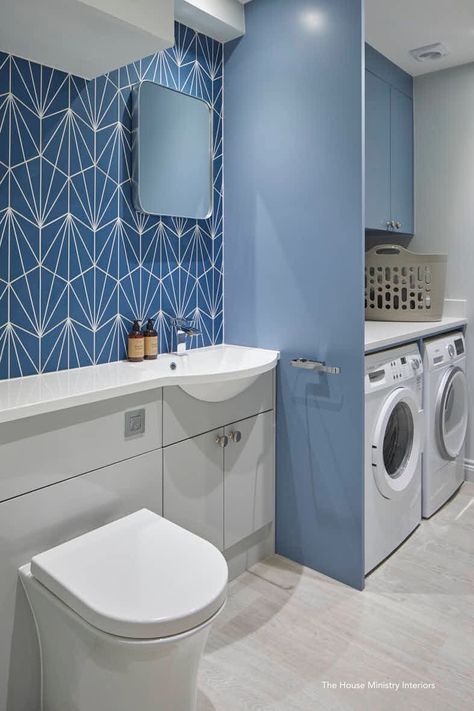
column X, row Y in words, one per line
column 43, row 407
column 399, row 337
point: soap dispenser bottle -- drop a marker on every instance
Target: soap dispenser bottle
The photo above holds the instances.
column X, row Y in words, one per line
column 151, row 341
column 136, row 344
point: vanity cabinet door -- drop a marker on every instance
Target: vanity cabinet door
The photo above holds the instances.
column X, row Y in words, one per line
column 193, row 485
column 249, row 480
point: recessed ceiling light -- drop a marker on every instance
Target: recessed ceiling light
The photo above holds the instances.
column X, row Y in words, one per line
column 429, row 52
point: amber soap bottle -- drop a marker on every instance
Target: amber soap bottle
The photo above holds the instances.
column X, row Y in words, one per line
column 151, row 341
column 136, row 344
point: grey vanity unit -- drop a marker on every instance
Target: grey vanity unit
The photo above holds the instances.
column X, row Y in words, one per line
column 206, row 466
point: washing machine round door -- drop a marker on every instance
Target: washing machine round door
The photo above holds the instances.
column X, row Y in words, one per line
column 452, row 411
column 396, row 444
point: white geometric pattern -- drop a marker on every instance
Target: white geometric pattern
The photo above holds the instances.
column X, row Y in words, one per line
column 77, row 263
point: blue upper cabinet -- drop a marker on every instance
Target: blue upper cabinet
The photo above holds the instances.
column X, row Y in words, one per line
column 377, row 152
column 401, row 161
column 389, row 146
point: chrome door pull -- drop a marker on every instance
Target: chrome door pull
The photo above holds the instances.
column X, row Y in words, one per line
column 317, row 365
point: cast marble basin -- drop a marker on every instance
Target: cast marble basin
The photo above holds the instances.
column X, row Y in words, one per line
column 221, row 372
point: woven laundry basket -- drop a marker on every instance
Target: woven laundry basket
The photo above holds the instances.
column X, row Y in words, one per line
column 403, row 286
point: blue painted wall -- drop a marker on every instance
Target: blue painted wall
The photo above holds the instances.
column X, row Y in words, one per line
column 391, row 73
column 77, row 263
column 294, row 257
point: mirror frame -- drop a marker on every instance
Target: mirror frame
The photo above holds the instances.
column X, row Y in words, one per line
column 137, row 204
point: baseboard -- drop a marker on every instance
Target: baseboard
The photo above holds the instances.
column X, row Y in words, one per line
column 469, row 469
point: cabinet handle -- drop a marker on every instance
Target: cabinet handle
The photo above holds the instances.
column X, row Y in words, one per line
column 222, row 441
column 389, row 223
column 398, row 225
column 235, row 436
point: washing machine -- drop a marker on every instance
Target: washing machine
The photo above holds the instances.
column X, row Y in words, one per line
column 446, row 417
column 394, row 434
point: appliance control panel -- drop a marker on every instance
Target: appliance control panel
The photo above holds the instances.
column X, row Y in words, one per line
column 394, row 372
column 445, row 349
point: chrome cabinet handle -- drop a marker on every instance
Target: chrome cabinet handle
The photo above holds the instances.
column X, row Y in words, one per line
column 317, row 365
column 398, row 225
column 222, row 441
column 235, row 436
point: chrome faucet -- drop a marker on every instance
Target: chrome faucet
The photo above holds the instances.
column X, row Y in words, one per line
column 183, row 330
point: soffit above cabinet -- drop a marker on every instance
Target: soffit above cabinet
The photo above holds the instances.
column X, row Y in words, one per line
column 85, row 37
column 223, row 20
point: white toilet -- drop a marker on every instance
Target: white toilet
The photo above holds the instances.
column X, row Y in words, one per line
column 123, row 614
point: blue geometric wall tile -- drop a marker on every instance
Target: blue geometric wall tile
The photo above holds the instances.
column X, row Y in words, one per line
column 105, row 103
column 107, row 143
column 217, row 253
column 24, row 303
column 4, row 73
column 129, row 297
column 81, row 145
column 54, row 196
column 4, row 131
column 24, row 243
column 77, row 262
column 4, row 364
column 4, row 265
column 24, row 187
column 107, row 341
column 81, row 100
column 26, row 83
column 56, row 140
column 54, row 348
column 81, row 298
column 23, row 349
column 54, row 301
column 24, row 133
column 54, row 91
column 106, row 289
column 104, row 200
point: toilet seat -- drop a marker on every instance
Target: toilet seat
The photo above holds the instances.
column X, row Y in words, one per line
column 140, row 577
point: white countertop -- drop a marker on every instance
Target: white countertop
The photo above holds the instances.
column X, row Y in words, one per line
column 50, row 392
column 383, row 334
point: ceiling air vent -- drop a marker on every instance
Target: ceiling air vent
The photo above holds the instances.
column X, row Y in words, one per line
column 429, row 52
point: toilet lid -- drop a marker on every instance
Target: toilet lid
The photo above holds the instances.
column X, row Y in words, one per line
column 140, row 577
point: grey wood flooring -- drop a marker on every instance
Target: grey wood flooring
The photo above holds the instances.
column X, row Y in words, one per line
column 289, row 638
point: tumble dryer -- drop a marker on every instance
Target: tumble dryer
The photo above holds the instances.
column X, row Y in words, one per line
column 446, row 411
column 394, row 433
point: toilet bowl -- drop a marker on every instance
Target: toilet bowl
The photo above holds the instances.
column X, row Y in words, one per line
column 123, row 614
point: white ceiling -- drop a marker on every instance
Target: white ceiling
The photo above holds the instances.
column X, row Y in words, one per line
column 396, row 26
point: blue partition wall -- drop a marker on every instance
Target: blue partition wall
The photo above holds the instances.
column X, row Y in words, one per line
column 294, row 257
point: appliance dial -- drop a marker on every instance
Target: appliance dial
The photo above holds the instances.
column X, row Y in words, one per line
column 451, row 350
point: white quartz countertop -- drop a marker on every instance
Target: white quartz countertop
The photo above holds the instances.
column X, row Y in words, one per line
column 50, row 392
column 383, row 334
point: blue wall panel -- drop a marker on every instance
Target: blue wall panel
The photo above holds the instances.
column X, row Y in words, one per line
column 77, row 263
column 383, row 68
column 294, row 257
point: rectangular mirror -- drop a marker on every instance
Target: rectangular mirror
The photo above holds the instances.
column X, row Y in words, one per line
column 172, row 152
